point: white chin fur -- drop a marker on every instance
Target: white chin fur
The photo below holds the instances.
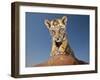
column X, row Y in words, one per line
column 58, row 40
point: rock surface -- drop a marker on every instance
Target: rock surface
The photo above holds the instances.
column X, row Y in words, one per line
column 61, row 60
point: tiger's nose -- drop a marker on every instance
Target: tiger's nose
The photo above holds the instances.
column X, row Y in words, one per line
column 57, row 38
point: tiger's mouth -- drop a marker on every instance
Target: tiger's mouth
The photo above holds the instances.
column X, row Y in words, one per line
column 58, row 44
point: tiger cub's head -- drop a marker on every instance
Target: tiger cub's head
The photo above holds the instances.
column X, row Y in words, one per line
column 57, row 28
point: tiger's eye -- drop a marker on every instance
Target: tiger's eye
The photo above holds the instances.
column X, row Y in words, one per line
column 52, row 32
column 62, row 30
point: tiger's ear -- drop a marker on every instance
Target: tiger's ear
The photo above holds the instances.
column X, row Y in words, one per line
column 64, row 20
column 47, row 23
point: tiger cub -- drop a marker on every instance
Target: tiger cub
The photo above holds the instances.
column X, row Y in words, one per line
column 57, row 29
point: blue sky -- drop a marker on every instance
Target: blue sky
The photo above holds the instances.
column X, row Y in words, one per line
column 38, row 39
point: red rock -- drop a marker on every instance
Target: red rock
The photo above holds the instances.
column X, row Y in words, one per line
column 61, row 60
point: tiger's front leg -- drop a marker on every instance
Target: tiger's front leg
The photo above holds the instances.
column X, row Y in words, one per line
column 54, row 50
